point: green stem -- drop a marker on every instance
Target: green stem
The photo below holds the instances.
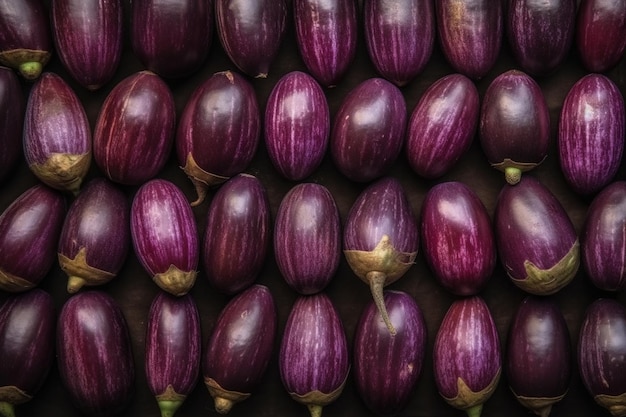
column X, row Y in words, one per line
column 168, row 408
column 474, row 411
column 6, row 409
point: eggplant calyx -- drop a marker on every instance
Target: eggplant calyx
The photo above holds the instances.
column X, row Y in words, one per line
column 615, row 404
column 175, row 281
column 13, row 395
column 513, row 169
column 29, row 62
column 223, row 398
column 81, row 273
column 201, row 179
column 315, row 400
column 384, row 258
column 468, row 400
column 169, row 401
column 13, row 283
column 541, row 406
column 63, row 171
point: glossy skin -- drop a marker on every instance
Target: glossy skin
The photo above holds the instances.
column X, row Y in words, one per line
column 12, row 108
column 601, row 33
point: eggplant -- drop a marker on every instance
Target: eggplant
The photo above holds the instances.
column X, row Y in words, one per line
column 57, row 135
column 368, row 132
column 515, row 138
column 12, row 108
column 94, row 354
column 458, row 239
column 231, row 130
column 381, row 238
column 240, row 347
column 134, row 130
column 313, row 358
column 400, row 37
column 29, row 231
column 95, row 237
column 386, row 368
column 442, row 125
column 165, row 235
column 88, row 37
column 591, row 133
column 297, row 125
column 27, row 332
column 537, row 242
column 467, row 357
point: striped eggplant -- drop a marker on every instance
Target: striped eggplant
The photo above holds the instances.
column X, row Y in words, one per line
column 12, row 108
column 134, row 130
column 240, row 347
column 165, row 236
column 57, row 135
column 237, row 236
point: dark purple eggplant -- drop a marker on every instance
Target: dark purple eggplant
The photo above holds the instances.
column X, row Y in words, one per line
column 12, row 108
column 442, row 125
column 165, row 235
column 237, row 235
column 231, row 130
column 470, row 34
column 95, row 238
column 537, row 243
column 467, row 361
column 57, row 135
column 368, row 133
column 313, row 358
column 88, row 36
column 515, row 138
column 458, row 240
column 591, row 133
column 173, row 37
column 173, row 345
column 94, row 354
column 381, row 238
column 27, row 328
column 240, row 347
column 400, row 37
column 297, row 125
column 29, row 233
column 386, row 368
column 326, row 34
column 134, row 131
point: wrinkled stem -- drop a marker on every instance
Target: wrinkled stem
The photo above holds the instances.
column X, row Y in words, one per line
column 223, row 405
column 315, row 410
column 6, row 409
column 31, row 70
column 377, row 282
column 512, row 175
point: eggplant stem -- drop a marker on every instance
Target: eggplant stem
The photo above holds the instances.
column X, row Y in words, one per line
column 377, row 282
column 31, row 70
column 315, row 410
column 7, row 409
column 474, row 411
column 74, row 284
column 223, row 405
column 169, row 408
column 512, row 175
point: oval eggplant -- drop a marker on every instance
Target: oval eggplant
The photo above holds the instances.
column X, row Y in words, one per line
column 88, row 36
column 591, row 133
column 442, row 125
column 135, row 129
column 536, row 239
column 29, row 233
column 94, row 354
column 95, row 237
column 165, row 236
column 386, row 368
column 240, row 347
column 12, row 108
column 368, row 133
column 237, row 235
column 57, row 135
column 515, row 138
column 381, row 238
column 467, row 360
column 313, row 358
column 222, row 115
column 297, row 125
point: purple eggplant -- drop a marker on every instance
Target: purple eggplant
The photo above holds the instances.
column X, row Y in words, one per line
column 29, row 232
column 297, row 125
column 94, row 354
column 536, row 240
column 27, row 331
column 442, row 125
column 381, row 238
column 134, row 130
column 173, row 345
column 313, row 358
column 386, row 368
column 237, row 237
column 12, row 108
column 173, row 37
column 57, row 135
column 368, row 133
column 458, row 240
column 95, row 238
column 515, row 138
column 165, row 236
column 591, row 133
column 467, row 360
column 88, row 36
column 231, row 130
column 400, row 37
column 240, row 347
column 326, row 35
